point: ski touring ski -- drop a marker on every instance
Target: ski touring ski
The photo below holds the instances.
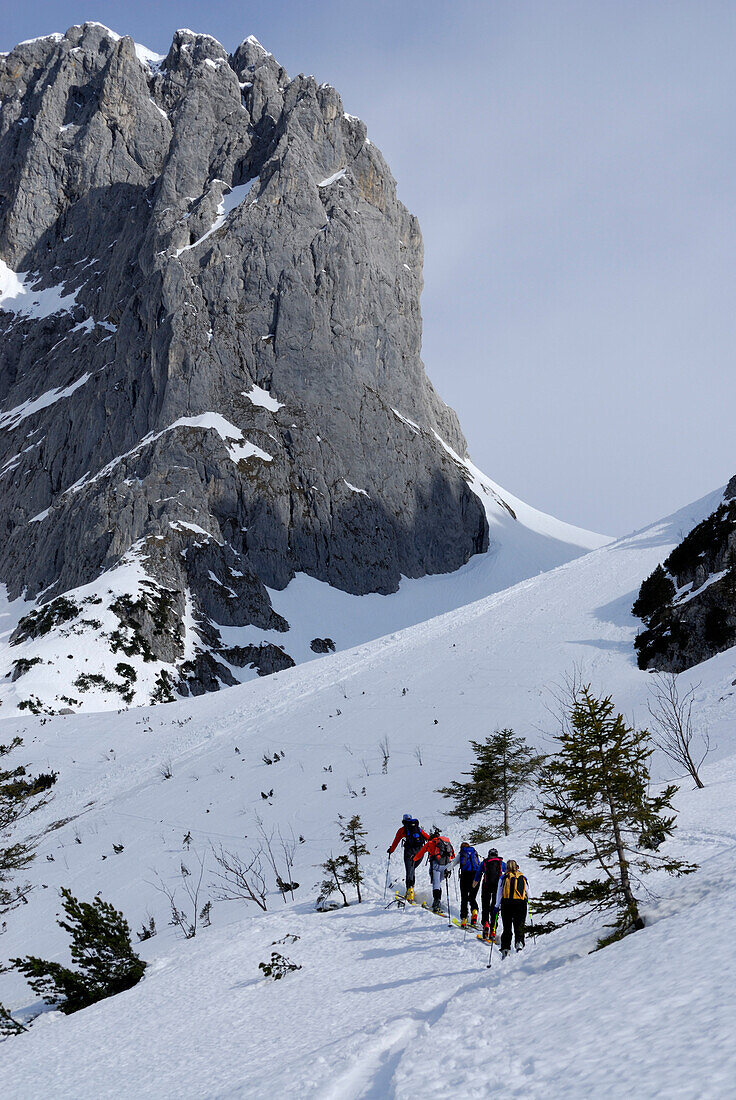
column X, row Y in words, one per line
column 401, row 899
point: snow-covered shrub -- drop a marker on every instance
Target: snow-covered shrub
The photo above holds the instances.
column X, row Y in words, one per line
column 277, row 966
column 43, row 619
column 9, row 1026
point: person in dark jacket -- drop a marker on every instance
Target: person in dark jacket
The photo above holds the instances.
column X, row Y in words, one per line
column 491, row 872
column 469, row 864
column 440, row 853
column 513, row 898
column 413, row 837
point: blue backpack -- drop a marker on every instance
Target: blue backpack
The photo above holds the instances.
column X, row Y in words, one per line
column 469, row 860
column 414, row 837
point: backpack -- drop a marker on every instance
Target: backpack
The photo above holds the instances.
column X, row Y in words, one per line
column 514, row 886
column 413, row 835
column 492, row 870
column 443, row 851
column 469, row 859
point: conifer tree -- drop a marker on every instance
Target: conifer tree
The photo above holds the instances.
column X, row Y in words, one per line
column 20, row 795
column 101, row 949
column 504, row 765
column 351, row 834
column 345, row 869
column 598, row 809
column 332, row 868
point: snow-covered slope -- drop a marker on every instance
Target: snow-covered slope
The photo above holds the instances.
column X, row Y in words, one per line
column 386, row 1004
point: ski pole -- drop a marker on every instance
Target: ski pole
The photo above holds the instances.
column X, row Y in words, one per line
column 493, row 940
column 447, row 891
column 531, row 924
column 388, row 865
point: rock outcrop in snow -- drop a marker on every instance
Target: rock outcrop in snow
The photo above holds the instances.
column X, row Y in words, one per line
column 689, row 604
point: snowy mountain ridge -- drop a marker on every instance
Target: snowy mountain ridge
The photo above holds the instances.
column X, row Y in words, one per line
column 385, row 1004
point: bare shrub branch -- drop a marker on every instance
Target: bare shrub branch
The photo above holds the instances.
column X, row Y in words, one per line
column 672, row 725
column 240, row 879
column 283, row 880
column 187, row 919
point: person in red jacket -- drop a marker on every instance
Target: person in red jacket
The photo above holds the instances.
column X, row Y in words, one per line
column 413, row 837
column 440, row 852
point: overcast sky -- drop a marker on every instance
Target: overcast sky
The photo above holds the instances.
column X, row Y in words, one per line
column 572, row 167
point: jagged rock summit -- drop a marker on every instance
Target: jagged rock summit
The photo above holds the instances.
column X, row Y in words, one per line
column 210, row 372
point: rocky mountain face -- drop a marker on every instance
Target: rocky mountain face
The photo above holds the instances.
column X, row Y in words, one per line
column 689, row 603
column 210, row 350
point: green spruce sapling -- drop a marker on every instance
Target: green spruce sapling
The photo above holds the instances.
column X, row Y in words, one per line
column 504, row 765
column 101, row 950
column 332, row 869
column 345, row 869
column 351, row 834
column 597, row 808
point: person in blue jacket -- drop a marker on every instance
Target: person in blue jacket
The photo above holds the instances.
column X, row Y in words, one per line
column 491, row 872
column 468, row 863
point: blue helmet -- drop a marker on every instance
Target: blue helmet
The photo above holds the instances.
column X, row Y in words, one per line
column 407, row 817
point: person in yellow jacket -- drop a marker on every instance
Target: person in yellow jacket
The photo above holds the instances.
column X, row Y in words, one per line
column 512, row 900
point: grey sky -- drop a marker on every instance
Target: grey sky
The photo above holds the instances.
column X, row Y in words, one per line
column 572, row 167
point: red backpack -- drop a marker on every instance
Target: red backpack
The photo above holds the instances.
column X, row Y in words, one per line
column 444, row 851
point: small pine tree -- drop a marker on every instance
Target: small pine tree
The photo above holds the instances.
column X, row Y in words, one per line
column 101, row 949
column 504, row 765
column 597, row 807
column 351, row 834
column 20, row 795
column 345, row 870
column 332, row 869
